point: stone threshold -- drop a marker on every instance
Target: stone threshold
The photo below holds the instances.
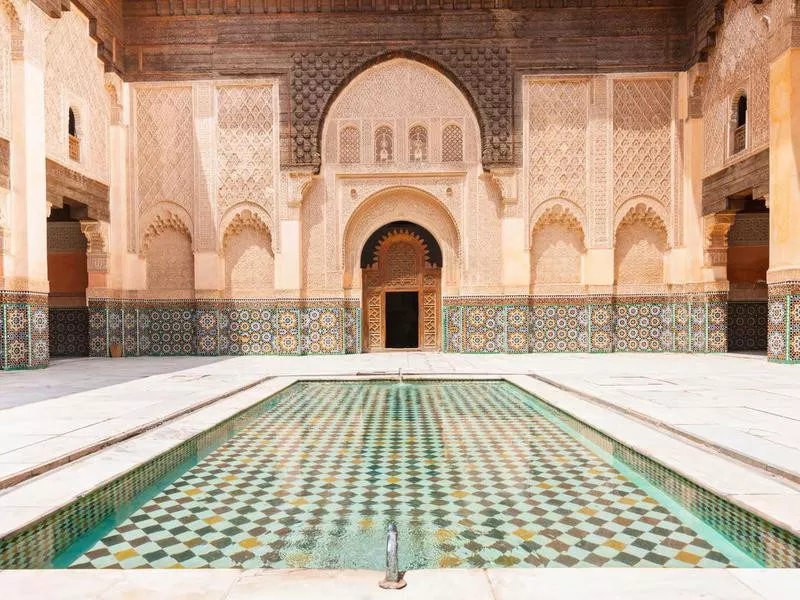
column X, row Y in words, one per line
column 426, row 584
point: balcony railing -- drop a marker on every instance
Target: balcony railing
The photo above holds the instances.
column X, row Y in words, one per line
column 739, row 139
column 74, row 148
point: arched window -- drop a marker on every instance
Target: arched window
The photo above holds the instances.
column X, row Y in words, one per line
column 349, row 145
column 73, row 140
column 739, row 123
column 452, row 144
column 384, row 144
column 418, row 144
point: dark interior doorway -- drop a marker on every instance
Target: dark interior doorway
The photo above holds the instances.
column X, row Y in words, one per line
column 402, row 319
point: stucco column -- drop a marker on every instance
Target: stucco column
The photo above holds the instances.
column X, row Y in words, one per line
column 28, row 183
column 118, row 183
column 783, row 276
column 289, row 256
column 25, row 280
column 516, row 259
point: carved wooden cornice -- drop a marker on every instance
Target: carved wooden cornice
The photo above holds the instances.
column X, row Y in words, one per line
column 64, row 184
column 749, row 176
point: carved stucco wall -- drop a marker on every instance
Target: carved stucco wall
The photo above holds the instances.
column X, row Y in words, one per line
column 558, row 126
column 594, row 148
column 164, row 148
column 642, row 140
column 483, row 72
column 739, row 61
column 641, row 243
column 170, row 262
column 249, row 258
column 74, row 78
column 206, row 151
column 402, row 94
column 557, row 248
column 7, row 18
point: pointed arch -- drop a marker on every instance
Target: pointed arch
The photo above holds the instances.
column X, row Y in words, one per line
column 167, row 249
column 248, row 255
column 640, row 246
column 557, row 244
column 400, row 203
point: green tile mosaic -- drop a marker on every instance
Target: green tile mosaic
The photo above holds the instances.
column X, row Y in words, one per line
column 475, row 474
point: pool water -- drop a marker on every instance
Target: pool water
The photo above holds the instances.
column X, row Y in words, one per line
column 474, row 474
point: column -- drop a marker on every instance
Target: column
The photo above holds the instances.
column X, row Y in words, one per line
column 783, row 277
column 25, row 314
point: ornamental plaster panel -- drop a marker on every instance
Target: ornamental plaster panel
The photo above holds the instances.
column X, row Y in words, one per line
column 245, row 146
column 643, row 118
column 170, row 262
column 640, row 247
column 738, row 62
column 74, row 78
column 557, row 119
column 10, row 27
column 395, row 97
column 353, row 190
column 65, row 236
column 164, row 147
column 558, row 246
column 248, row 256
column 750, row 229
column 483, row 72
column 599, row 209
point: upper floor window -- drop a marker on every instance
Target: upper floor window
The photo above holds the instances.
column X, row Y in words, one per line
column 349, row 145
column 418, row 144
column 384, row 144
column 739, row 124
column 452, row 144
column 73, row 139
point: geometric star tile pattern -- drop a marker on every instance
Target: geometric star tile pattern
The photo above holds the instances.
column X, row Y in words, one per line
column 472, row 473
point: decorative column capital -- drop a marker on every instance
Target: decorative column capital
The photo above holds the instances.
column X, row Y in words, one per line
column 299, row 183
column 716, row 227
column 506, row 181
column 96, row 234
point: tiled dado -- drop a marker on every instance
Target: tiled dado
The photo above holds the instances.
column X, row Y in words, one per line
column 783, row 316
column 686, row 323
column 232, row 327
column 23, row 330
column 69, row 331
column 747, row 326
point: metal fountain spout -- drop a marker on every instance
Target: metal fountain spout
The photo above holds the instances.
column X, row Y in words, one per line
column 394, row 579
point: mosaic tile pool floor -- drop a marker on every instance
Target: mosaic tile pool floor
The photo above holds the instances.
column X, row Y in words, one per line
column 473, row 474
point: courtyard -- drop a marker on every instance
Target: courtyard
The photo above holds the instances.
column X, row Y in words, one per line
column 727, row 422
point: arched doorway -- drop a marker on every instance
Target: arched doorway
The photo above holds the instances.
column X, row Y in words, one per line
column 401, row 266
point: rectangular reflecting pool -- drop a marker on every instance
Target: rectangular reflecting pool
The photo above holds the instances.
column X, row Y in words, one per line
column 474, row 474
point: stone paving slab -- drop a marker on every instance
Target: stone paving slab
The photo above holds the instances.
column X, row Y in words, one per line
column 42, row 435
column 440, row 584
column 741, row 404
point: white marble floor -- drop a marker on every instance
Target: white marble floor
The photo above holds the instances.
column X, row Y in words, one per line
column 439, row 584
column 741, row 404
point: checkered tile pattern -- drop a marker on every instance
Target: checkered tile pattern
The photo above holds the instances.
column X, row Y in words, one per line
column 473, row 473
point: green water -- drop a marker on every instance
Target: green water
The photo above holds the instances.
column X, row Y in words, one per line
column 474, row 474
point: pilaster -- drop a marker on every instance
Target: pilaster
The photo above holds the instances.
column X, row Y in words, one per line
column 783, row 277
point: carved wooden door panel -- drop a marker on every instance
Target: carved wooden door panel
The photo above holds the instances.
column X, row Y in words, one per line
column 401, row 266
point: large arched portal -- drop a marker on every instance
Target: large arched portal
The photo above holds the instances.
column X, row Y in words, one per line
column 401, row 266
